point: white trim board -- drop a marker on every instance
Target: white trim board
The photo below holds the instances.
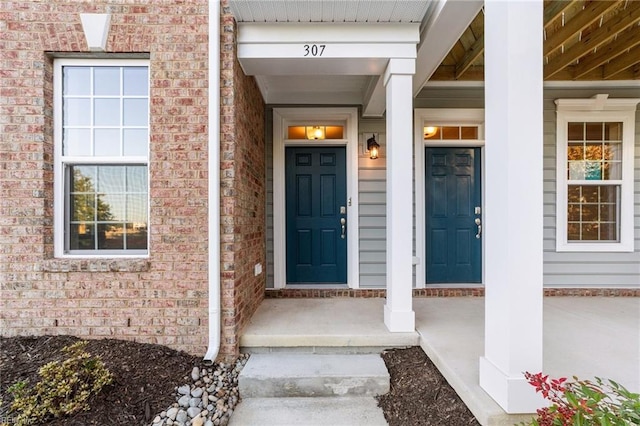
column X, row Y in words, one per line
column 283, row 117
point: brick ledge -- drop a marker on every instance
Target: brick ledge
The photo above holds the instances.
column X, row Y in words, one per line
column 95, row 265
column 443, row 292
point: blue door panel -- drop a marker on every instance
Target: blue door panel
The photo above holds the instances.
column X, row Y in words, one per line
column 315, row 180
column 454, row 254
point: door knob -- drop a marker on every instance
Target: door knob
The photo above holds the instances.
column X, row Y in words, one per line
column 343, row 223
column 479, row 224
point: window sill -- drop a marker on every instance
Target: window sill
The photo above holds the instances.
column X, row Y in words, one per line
column 95, row 265
column 595, row 248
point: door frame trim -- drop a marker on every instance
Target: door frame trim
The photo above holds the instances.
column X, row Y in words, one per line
column 453, row 116
column 283, row 117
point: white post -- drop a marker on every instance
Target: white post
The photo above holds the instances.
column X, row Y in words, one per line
column 513, row 203
column 398, row 310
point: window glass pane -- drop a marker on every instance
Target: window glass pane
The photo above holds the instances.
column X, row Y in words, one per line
column 593, row 151
column 137, row 208
column 613, row 131
column 575, row 151
column 593, row 214
column 136, row 238
column 107, row 112
column 469, row 132
column 106, row 81
column 76, row 81
column 136, row 142
column 136, row 112
column 82, row 236
column 594, row 131
column 137, row 179
column 432, row 132
column 76, row 112
column 111, row 207
column 575, row 131
column 82, row 207
column 111, row 236
column 136, row 81
column 111, row 179
column 83, row 179
column 450, row 133
column 107, row 142
column 76, row 142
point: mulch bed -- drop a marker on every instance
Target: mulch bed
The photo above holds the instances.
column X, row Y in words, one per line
column 146, row 375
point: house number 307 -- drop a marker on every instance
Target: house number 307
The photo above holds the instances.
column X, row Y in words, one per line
column 314, row 49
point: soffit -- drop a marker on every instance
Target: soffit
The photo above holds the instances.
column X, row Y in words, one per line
column 329, row 10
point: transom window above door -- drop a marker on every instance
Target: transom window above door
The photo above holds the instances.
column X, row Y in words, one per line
column 315, row 132
column 434, row 132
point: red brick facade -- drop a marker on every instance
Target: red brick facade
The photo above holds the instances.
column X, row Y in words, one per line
column 162, row 299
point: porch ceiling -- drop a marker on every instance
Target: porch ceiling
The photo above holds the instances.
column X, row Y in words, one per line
column 584, row 40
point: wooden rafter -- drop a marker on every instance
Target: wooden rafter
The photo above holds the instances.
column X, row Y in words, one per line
column 470, row 57
column 622, row 21
column 614, row 49
column 588, row 16
column 555, row 9
column 621, row 63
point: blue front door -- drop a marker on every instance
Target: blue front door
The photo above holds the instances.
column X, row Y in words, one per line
column 316, row 200
column 453, row 215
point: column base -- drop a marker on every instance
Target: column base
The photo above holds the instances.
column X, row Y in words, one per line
column 399, row 321
column 514, row 394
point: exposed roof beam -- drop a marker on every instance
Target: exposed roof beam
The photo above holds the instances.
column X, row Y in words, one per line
column 615, row 48
column 588, row 16
column 621, row 63
column 470, row 56
column 448, row 73
column 555, row 9
column 442, row 31
column 620, row 22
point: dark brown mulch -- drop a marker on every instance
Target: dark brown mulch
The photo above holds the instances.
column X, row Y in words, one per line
column 146, row 376
column 419, row 395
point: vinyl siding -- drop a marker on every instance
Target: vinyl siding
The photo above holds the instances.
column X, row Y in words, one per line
column 584, row 270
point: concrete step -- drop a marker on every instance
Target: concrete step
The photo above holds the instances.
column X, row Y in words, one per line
column 347, row 411
column 306, row 375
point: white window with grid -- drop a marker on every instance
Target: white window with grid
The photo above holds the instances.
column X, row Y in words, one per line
column 594, row 199
column 101, row 128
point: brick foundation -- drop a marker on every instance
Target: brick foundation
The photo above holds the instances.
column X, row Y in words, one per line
column 440, row 292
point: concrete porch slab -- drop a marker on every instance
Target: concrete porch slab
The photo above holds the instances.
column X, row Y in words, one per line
column 322, row 325
column 585, row 337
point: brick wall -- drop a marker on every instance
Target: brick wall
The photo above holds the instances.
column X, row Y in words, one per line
column 243, row 191
column 162, row 299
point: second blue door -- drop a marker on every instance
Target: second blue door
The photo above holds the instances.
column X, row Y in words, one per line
column 316, row 201
column 453, row 215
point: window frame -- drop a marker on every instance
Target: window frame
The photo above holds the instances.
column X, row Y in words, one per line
column 596, row 109
column 60, row 185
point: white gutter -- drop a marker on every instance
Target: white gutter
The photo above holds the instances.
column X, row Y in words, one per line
column 214, row 181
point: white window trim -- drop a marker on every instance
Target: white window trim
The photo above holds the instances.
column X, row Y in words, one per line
column 283, row 117
column 596, row 109
column 58, row 165
column 441, row 116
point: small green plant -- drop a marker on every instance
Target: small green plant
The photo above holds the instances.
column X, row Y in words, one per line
column 64, row 387
column 584, row 402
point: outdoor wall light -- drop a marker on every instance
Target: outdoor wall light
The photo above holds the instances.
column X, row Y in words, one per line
column 373, row 147
column 430, row 131
column 315, row 132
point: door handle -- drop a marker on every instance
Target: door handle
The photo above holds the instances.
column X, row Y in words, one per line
column 479, row 223
column 343, row 225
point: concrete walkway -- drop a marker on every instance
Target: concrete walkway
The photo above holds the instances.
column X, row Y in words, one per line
column 586, row 337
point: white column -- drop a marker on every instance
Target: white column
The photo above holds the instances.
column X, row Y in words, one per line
column 398, row 309
column 513, row 203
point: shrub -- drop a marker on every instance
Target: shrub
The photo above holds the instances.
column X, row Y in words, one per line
column 584, row 402
column 64, row 387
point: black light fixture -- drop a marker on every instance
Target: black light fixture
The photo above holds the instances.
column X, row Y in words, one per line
column 373, row 147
